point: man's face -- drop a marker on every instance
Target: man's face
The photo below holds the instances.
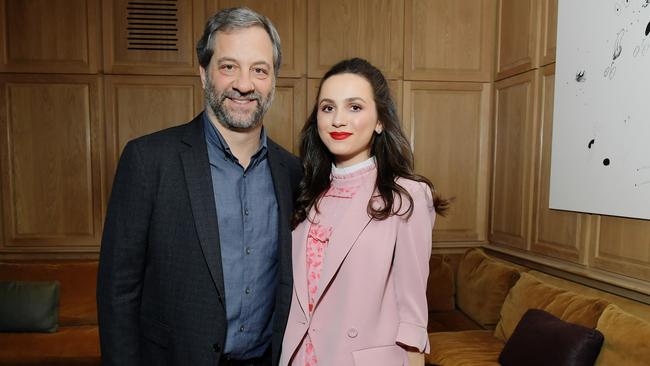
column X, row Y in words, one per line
column 239, row 82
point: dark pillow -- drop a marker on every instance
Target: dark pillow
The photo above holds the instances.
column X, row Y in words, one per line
column 542, row 339
column 29, row 306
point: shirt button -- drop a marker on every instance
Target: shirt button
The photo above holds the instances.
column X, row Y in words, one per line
column 241, row 329
column 248, row 290
column 246, row 212
column 248, row 251
column 352, row 333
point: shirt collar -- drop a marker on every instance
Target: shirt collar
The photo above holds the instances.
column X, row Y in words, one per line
column 214, row 138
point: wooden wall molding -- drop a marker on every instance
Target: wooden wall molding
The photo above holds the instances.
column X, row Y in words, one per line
column 512, row 181
column 448, row 124
column 517, row 37
column 449, row 40
column 52, row 158
column 50, row 36
column 339, row 29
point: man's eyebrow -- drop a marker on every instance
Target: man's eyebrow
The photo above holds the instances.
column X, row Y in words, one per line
column 230, row 59
column 261, row 63
column 222, row 59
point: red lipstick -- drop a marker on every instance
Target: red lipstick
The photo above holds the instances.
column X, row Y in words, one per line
column 340, row 135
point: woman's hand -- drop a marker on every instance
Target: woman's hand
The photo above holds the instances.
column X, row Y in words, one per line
column 415, row 358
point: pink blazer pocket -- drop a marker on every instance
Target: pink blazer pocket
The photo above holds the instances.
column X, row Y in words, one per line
column 380, row 356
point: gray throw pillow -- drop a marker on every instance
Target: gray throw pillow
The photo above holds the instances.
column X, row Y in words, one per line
column 29, row 306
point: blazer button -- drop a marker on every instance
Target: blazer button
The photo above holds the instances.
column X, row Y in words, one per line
column 352, row 333
column 216, row 347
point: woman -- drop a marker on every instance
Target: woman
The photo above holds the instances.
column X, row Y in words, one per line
column 362, row 236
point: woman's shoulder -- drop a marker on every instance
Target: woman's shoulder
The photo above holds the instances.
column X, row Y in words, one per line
column 413, row 186
column 420, row 192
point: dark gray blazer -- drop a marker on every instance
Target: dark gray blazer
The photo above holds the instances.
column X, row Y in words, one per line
column 160, row 290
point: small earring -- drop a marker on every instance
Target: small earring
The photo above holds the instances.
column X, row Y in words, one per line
column 378, row 131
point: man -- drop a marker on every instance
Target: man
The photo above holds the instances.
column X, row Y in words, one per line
column 195, row 264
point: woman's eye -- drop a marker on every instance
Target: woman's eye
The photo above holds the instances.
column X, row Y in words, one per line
column 327, row 108
column 356, row 108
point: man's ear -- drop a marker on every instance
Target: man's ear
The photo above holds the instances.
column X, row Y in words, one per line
column 202, row 72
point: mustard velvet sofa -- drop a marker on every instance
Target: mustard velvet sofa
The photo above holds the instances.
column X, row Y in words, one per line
column 474, row 310
column 76, row 342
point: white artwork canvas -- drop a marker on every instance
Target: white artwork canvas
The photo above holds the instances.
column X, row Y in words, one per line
column 601, row 124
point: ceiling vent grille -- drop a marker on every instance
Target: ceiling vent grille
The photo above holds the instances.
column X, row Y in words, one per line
column 152, row 25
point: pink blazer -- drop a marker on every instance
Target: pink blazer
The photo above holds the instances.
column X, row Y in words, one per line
column 372, row 291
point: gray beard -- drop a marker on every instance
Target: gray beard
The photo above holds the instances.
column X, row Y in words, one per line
column 226, row 117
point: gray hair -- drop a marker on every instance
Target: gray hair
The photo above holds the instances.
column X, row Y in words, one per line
column 237, row 18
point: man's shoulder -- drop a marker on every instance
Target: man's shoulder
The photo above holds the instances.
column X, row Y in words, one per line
column 166, row 135
column 290, row 161
column 283, row 154
column 168, row 139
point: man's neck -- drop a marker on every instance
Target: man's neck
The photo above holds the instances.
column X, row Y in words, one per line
column 243, row 143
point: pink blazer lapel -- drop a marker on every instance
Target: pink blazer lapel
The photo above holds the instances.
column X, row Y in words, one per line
column 343, row 238
column 299, row 263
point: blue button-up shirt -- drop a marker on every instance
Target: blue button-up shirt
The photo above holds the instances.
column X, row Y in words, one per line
column 247, row 213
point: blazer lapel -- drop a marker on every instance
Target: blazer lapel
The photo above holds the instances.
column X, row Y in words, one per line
column 343, row 238
column 199, row 185
column 300, row 265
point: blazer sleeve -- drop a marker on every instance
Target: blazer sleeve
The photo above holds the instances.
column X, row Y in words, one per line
column 122, row 261
column 411, row 267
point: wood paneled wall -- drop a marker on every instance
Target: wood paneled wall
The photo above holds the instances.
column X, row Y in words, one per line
column 137, row 73
column 473, row 81
column 610, row 249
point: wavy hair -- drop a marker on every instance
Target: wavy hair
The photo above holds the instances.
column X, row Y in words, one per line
column 390, row 148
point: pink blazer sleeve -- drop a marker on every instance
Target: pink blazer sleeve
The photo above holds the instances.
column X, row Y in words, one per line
column 411, row 267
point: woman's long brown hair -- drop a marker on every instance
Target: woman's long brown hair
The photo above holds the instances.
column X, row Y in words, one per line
column 390, row 148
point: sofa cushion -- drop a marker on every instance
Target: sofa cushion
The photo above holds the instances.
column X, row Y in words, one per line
column 467, row 348
column 78, row 281
column 482, row 285
column 29, row 306
column 451, row 321
column 626, row 338
column 633, row 307
column 531, row 293
column 542, row 339
column 440, row 286
column 68, row 346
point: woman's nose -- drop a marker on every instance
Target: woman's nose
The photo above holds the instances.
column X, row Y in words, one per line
column 338, row 119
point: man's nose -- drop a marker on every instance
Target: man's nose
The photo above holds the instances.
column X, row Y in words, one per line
column 244, row 84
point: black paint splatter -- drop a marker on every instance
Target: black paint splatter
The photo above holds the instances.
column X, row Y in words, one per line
column 617, row 51
column 606, row 162
column 647, row 29
column 591, row 143
column 580, row 76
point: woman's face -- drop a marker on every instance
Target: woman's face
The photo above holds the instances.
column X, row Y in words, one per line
column 347, row 118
